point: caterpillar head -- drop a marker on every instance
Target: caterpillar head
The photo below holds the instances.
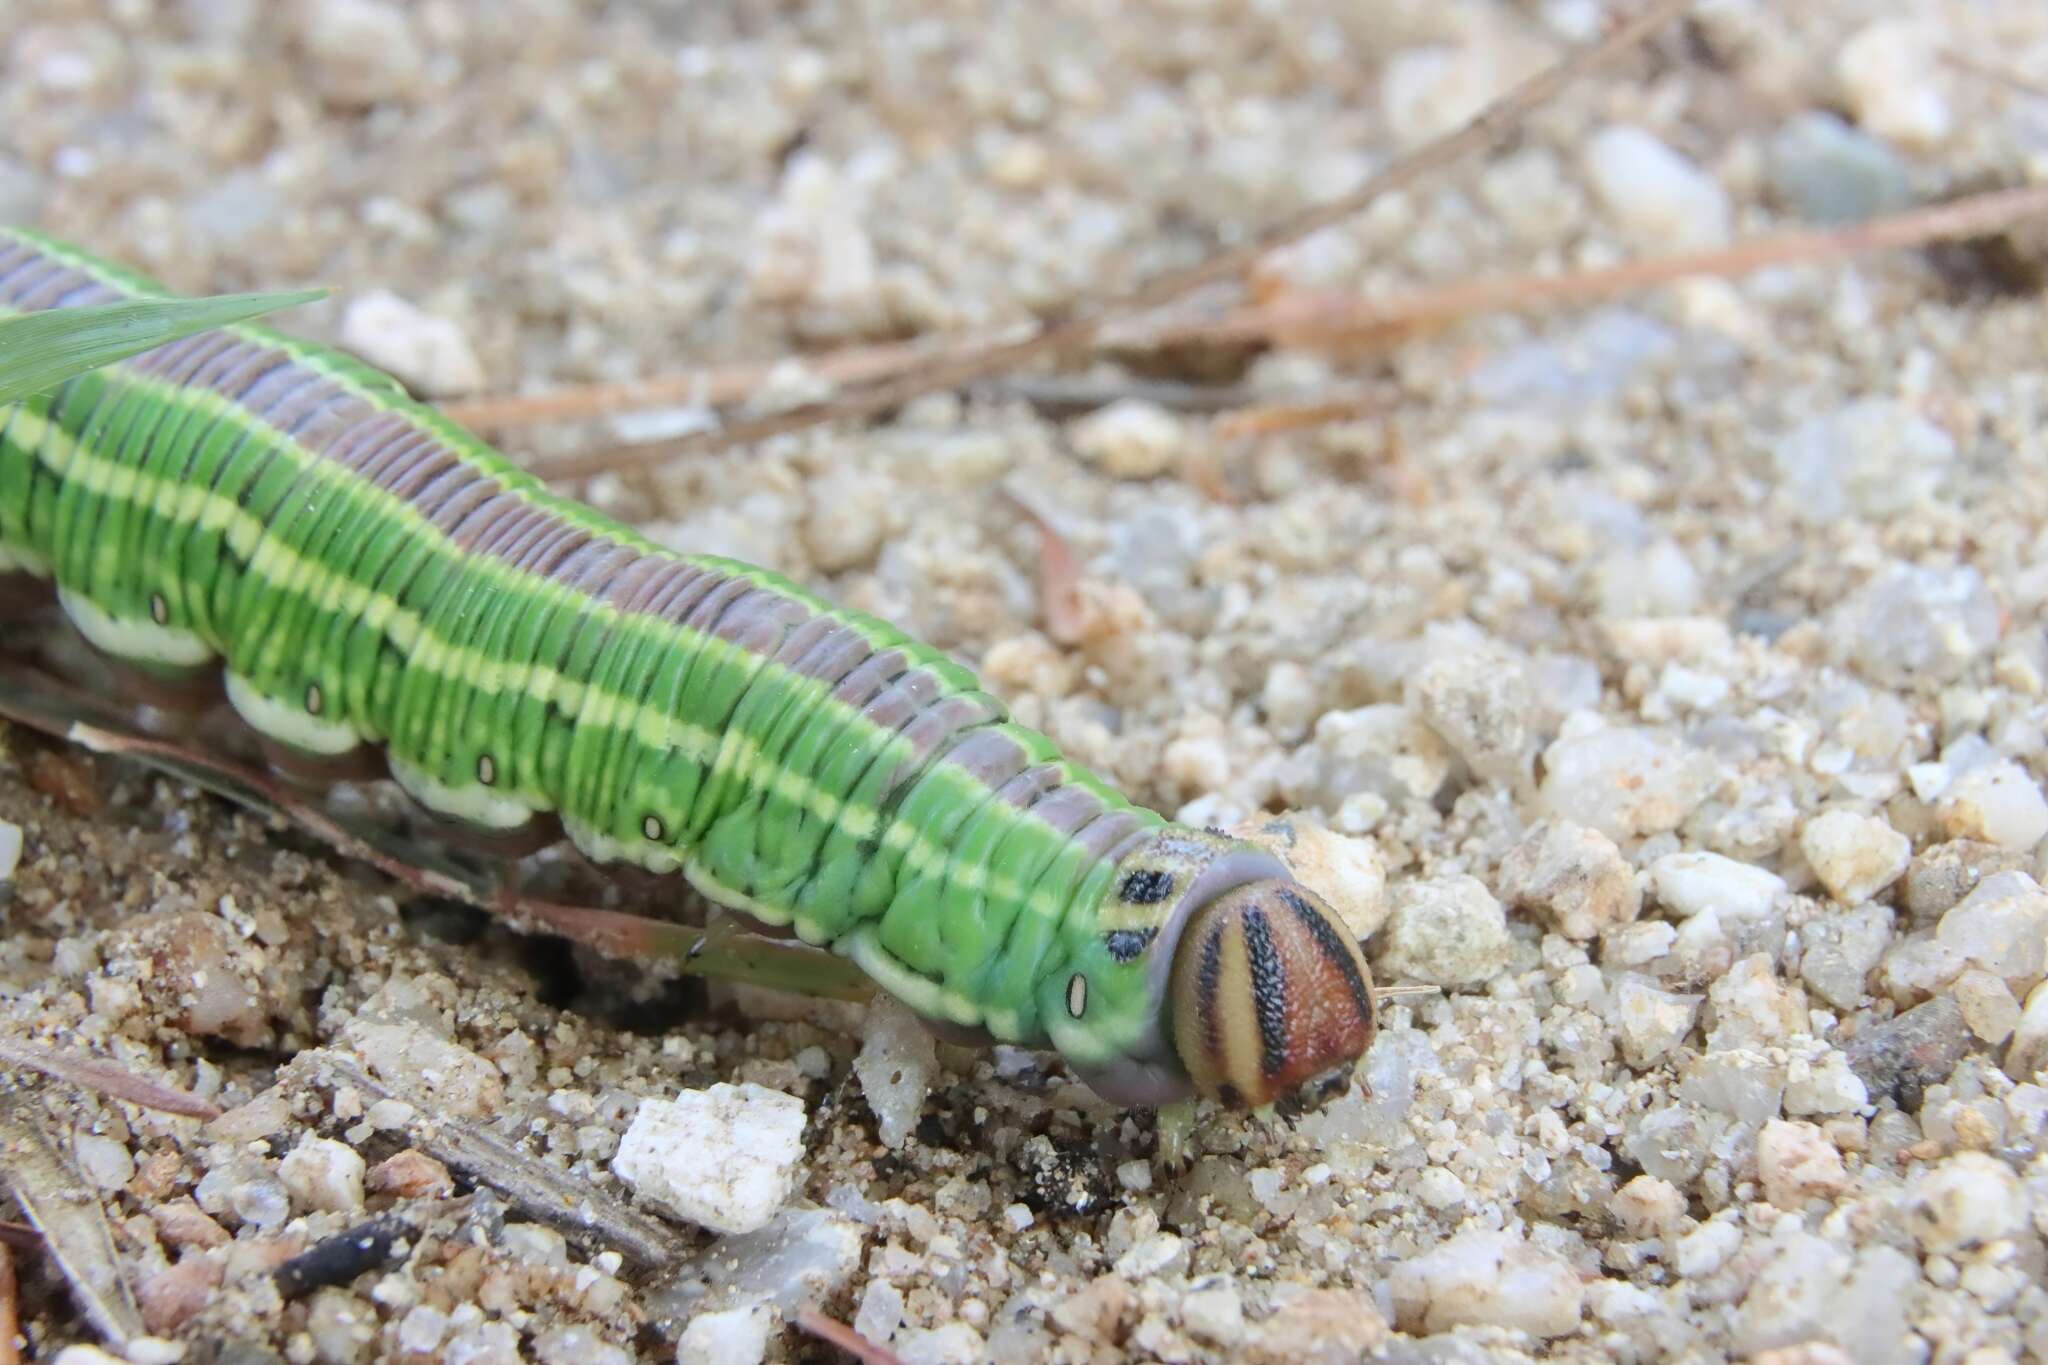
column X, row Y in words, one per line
column 1269, row 990
column 1207, row 970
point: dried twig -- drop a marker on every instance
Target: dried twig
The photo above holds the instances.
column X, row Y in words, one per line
column 105, row 1078
column 1059, row 577
column 715, row 386
column 62, row 1206
column 1323, row 318
column 554, row 1197
column 958, row 369
column 833, row 1332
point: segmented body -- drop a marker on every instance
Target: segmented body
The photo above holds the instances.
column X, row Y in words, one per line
column 372, row 582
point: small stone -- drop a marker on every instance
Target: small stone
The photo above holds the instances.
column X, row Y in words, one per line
column 1841, row 950
column 1345, row 872
column 1444, row 931
column 1747, row 1086
column 736, row 1336
column 1753, row 1009
column 2002, row 926
column 1488, row 1279
column 324, row 1175
column 1214, row 1313
column 1794, row 1296
column 1919, row 966
column 1654, row 582
column 411, row 1174
column 342, row 1326
column 895, row 1067
column 361, row 51
column 2028, row 1055
column 1574, row 877
column 1660, row 198
column 1706, row 1248
column 1797, row 1164
column 429, row 353
column 1830, row 173
column 1916, row 624
column 725, row 1158
column 1688, row 884
column 1624, row 781
column 1988, row 1005
column 1855, row 856
column 1130, row 439
column 1671, row 1143
column 1998, row 804
column 1873, row 458
column 175, row 1295
column 952, row 1343
column 1317, row 1327
column 881, row 1312
column 1889, row 77
column 1647, row 1206
column 183, row 1223
column 1481, row 704
column 1903, row 1056
column 197, row 971
column 1824, row 1086
column 1650, row 1020
column 1969, row 1199
column 10, row 833
column 1941, row 876
column 104, row 1161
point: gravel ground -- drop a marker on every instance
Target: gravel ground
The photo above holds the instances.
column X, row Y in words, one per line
column 1663, row 680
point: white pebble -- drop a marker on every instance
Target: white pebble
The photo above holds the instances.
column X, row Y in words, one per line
column 1662, row 199
column 1752, row 1008
column 1855, row 856
column 1625, row 781
column 2002, row 926
column 1874, row 457
column 1916, row 624
column 1825, row 1086
column 1996, row 804
column 429, row 353
column 104, row 1161
column 10, row 849
column 1488, row 1279
column 1796, row 1163
column 323, row 1174
column 1444, row 931
column 1574, row 877
column 1988, row 1005
column 1689, row 884
column 737, row 1336
column 361, row 51
column 953, row 1343
column 1706, row 1248
column 895, row 1067
column 725, row 1158
column 1346, row 872
column 1130, row 439
column 1968, row 1200
column 1651, row 1021
column 1888, row 73
column 881, row 1311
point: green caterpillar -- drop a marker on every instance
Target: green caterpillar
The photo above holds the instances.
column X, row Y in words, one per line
column 379, row 592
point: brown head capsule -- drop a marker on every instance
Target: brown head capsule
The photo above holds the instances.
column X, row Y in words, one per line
column 1269, row 990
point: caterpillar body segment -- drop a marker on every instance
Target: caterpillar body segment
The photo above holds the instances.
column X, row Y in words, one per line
column 375, row 589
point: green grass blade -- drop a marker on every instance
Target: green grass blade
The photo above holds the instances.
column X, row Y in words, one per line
column 41, row 350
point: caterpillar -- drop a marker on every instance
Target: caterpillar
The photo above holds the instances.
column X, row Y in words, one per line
column 378, row 593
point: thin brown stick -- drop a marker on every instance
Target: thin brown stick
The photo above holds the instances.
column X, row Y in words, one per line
column 833, row 1332
column 712, row 387
column 10, row 1311
column 955, row 371
column 1311, row 318
column 102, row 1077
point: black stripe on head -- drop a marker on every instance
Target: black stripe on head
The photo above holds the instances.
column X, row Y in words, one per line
column 1333, row 950
column 1145, row 886
column 1126, row 944
column 1269, row 991
column 1206, row 981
